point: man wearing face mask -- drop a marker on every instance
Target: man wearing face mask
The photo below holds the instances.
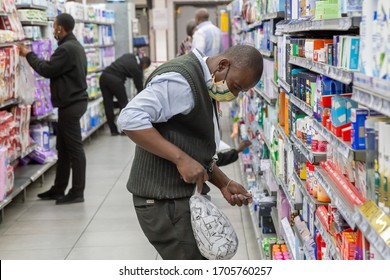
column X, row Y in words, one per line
column 174, row 124
column 67, row 70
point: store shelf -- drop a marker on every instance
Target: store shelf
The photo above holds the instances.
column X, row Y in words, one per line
column 270, row 101
column 3, row 14
column 10, row 44
column 275, row 219
column 253, row 25
column 8, row 103
column 33, row 171
column 92, row 98
column 313, row 203
column 338, row 24
column 309, row 256
column 281, row 133
column 34, row 23
column 284, row 187
column 94, row 22
column 274, row 15
column 344, row 148
column 306, row 151
column 31, row 6
column 95, row 71
column 306, row 108
column 37, row 118
column 290, row 239
column 259, row 235
column 330, row 71
column 266, row 53
column 265, row 139
column 275, row 86
column 93, row 130
column 328, row 240
column 282, row 83
column 274, row 39
column 375, row 225
column 372, row 99
column 28, row 151
column 346, row 209
column 98, row 46
column 51, row 18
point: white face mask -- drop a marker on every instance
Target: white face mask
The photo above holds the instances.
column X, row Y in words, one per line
column 220, row 90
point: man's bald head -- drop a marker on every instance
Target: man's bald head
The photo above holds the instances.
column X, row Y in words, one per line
column 201, row 15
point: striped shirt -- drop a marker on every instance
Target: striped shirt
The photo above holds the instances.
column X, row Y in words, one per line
column 208, row 39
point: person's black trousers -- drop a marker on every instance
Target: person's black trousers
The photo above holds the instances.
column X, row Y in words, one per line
column 70, row 149
column 112, row 86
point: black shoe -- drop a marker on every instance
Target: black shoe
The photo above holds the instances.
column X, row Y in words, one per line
column 114, row 133
column 51, row 195
column 69, row 198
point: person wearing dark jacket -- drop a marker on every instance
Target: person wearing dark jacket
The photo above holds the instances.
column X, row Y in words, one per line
column 112, row 83
column 230, row 156
column 67, row 70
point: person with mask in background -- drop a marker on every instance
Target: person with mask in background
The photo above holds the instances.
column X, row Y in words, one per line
column 67, row 71
column 112, row 83
column 174, row 124
column 207, row 37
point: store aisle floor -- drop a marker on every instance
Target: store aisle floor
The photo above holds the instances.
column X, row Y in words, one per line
column 105, row 225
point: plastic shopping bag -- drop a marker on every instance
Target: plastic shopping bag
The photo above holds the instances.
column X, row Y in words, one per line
column 26, row 82
column 214, row 234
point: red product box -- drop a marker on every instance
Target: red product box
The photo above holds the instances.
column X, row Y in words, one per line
column 337, row 130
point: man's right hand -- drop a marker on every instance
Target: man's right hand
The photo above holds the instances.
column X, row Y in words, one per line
column 23, row 50
column 192, row 171
column 243, row 145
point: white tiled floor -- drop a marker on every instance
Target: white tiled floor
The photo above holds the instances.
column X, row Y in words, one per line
column 105, row 226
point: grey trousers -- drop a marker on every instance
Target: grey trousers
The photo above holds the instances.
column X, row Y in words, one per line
column 167, row 225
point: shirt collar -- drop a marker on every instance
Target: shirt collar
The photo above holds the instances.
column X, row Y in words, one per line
column 206, row 72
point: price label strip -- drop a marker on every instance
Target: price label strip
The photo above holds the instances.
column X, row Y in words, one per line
column 377, row 227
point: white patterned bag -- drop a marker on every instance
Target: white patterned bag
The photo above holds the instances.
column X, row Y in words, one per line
column 214, row 234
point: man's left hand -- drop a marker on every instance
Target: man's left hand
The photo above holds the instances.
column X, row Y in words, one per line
column 236, row 194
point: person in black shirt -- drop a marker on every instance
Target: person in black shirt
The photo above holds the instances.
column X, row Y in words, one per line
column 230, row 156
column 112, row 83
column 67, row 71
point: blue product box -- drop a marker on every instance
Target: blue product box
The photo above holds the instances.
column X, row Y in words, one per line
column 358, row 118
column 353, row 63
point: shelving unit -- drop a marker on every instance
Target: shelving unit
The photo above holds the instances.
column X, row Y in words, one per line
column 98, row 46
column 271, row 101
column 338, row 199
column 290, row 240
column 41, row 117
column 30, row 6
column 330, row 71
column 369, row 92
column 309, row 256
column 306, row 151
column 34, row 23
column 8, row 103
column 302, row 188
column 28, row 151
column 275, row 219
column 282, row 83
column 338, row 24
column 266, row 53
column 306, row 108
column 344, row 148
column 375, row 225
column 328, row 240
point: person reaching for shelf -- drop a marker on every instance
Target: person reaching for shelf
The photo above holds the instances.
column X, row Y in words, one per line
column 67, row 71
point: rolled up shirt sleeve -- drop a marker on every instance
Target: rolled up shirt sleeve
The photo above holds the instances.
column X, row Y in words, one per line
column 165, row 96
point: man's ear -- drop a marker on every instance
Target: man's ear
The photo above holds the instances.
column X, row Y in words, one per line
column 223, row 63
